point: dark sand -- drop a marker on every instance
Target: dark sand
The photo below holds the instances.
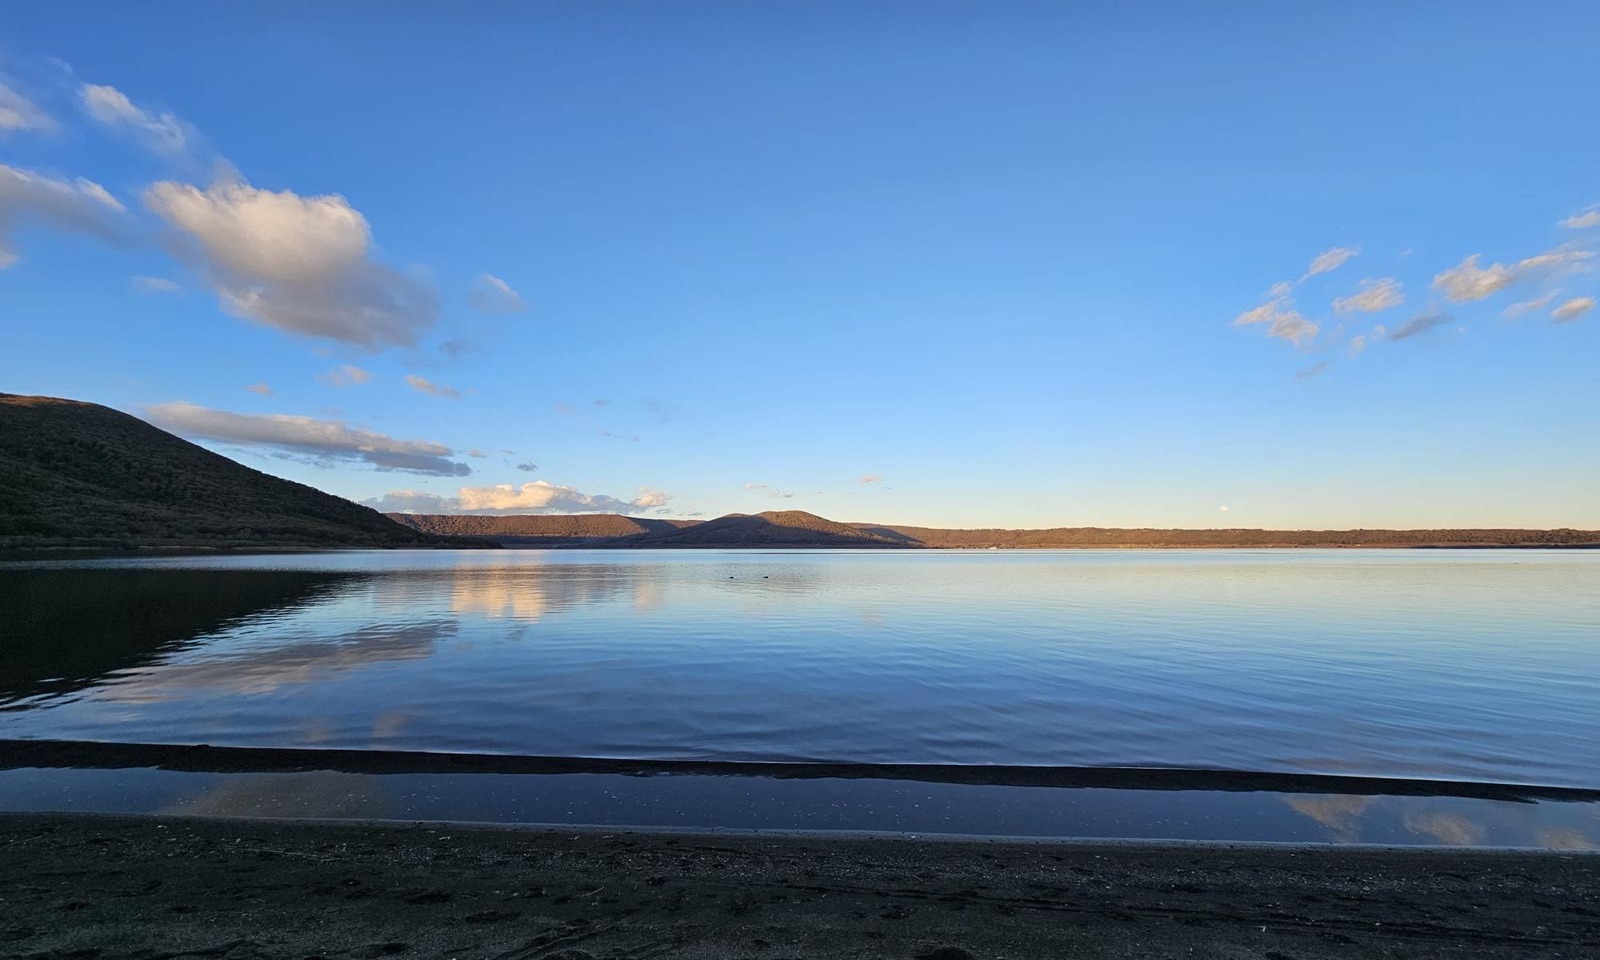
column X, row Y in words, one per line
column 106, row 887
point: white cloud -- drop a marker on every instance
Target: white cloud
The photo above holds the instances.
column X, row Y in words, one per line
column 656, row 498
column 1375, row 295
column 538, row 496
column 77, row 206
column 1556, row 260
column 260, row 388
column 424, row 385
column 162, row 132
column 767, row 488
column 1280, row 289
column 1420, row 324
column 1223, row 508
column 1531, row 306
column 1328, row 261
column 156, row 285
column 413, row 501
column 1467, row 281
column 321, row 441
column 1282, row 320
column 493, row 295
column 300, row 264
column 1358, row 343
column 1583, row 220
column 1311, row 371
column 345, row 376
column 868, row 478
column 19, row 113
column 1572, row 309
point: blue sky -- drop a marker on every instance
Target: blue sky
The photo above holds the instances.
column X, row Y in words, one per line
column 968, row 264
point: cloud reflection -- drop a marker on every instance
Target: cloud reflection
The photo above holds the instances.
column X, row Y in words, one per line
column 261, row 671
column 1450, row 829
column 1339, row 813
column 321, row 794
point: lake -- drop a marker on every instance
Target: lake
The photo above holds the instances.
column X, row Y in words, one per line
column 1465, row 666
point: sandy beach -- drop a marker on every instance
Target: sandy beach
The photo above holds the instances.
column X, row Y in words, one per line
column 104, row 887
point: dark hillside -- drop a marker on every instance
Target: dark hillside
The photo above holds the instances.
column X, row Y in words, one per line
column 79, row 475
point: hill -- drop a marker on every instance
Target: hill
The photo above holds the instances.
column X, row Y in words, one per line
column 1111, row 537
column 539, row 530
column 79, row 475
column 797, row 528
column 794, row 528
column 775, row 528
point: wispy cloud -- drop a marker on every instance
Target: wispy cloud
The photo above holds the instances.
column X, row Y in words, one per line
column 161, row 132
column 260, row 388
column 1374, row 296
column 1531, row 306
column 528, row 467
column 1467, row 281
column 74, row 206
column 17, row 112
column 424, row 385
column 1572, row 309
column 868, row 478
column 769, row 491
column 1328, row 260
column 1281, row 319
column 156, row 285
column 320, row 441
column 1420, row 324
column 299, row 264
column 1311, row 371
column 490, row 294
column 344, row 376
column 1583, row 220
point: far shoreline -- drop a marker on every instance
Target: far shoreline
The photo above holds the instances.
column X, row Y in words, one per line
column 47, row 554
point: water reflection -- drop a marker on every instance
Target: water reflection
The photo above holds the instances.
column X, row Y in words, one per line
column 757, row 803
column 64, row 630
column 1448, row 821
column 256, row 671
column 529, row 590
column 319, row 794
column 1449, row 829
column 1339, row 813
column 1362, row 663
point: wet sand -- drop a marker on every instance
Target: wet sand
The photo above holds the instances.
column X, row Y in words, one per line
column 97, row 887
column 204, row 758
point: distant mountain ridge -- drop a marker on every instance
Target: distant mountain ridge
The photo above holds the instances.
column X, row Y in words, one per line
column 801, row 529
column 83, row 476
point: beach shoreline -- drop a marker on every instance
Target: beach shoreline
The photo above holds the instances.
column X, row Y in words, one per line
column 86, row 885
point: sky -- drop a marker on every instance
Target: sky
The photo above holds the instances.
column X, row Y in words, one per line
column 941, row 263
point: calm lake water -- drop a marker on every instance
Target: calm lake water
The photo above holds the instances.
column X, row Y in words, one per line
column 1457, row 665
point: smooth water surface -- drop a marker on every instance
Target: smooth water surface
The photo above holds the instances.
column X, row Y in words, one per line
column 1467, row 665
